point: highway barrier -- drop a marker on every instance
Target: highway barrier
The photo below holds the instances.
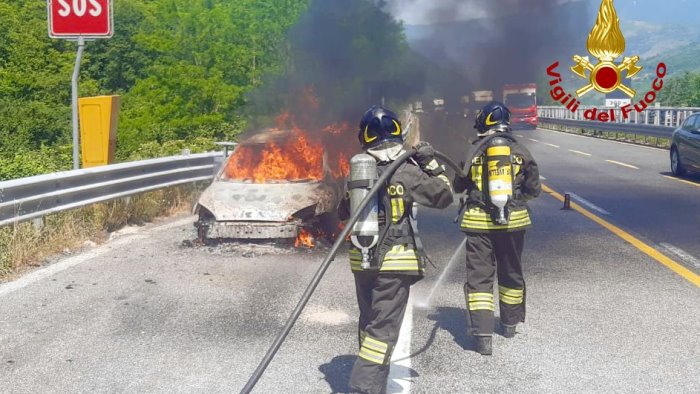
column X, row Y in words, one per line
column 29, row 198
column 653, row 126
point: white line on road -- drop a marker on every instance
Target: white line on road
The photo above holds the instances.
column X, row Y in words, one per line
column 520, row 135
column 588, row 204
column 552, row 145
column 580, row 153
column 602, row 139
column 400, row 370
column 533, row 140
column 63, row 265
column 542, row 178
column 622, row 164
column 683, row 255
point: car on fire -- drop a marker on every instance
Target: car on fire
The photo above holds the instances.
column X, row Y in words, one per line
column 275, row 185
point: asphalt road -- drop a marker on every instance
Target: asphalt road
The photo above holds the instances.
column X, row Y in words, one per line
column 144, row 313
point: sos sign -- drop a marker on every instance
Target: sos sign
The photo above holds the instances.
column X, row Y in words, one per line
column 75, row 18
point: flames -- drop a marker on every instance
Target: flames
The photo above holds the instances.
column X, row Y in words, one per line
column 292, row 159
column 606, row 41
column 304, row 239
column 298, row 152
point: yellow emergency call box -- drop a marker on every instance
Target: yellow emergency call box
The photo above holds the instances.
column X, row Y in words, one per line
column 99, row 117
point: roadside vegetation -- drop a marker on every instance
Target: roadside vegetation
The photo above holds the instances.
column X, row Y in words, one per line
column 24, row 245
column 182, row 68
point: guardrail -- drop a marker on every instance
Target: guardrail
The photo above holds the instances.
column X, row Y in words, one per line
column 29, row 198
column 658, row 136
column 654, row 116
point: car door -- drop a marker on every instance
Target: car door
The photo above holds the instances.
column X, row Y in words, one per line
column 693, row 144
column 682, row 138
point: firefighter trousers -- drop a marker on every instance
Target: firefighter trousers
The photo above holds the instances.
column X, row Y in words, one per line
column 382, row 300
column 490, row 255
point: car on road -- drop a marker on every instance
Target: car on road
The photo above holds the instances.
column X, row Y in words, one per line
column 273, row 186
column 685, row 146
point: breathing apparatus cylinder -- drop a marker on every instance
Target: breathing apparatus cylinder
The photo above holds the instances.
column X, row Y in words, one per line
column 500, row 176
column 365, row 232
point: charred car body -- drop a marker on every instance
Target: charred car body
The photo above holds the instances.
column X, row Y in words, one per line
column 272, row 186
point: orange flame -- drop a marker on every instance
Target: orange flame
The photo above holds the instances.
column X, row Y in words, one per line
column 300, row 155
column 304, row 239
column 294, row 159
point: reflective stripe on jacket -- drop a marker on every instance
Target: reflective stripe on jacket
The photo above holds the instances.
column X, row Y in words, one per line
column 476, row 216
column 396, row 251
column 400, row 258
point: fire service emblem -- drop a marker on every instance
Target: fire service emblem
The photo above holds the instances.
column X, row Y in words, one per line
column 606, row 43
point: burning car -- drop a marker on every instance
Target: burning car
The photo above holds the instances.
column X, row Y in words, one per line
column 278, row 184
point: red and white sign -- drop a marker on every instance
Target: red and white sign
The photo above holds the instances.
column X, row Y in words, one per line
column 75, row 18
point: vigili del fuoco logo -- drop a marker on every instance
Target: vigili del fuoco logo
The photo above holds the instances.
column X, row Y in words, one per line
column 606, row 43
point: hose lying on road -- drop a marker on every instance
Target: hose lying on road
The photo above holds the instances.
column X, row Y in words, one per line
column 326, row 263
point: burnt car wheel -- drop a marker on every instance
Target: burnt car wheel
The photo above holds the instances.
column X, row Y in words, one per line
column 330, row 225
column 202, row 225
column 676, row 164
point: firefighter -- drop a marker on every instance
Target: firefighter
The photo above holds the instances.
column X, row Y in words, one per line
column 502, row 177
column 397, row 260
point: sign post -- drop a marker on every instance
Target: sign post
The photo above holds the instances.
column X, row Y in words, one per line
column 79, row 20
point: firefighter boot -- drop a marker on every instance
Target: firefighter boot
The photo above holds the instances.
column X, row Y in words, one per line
column 483, row 345
column 508, row 330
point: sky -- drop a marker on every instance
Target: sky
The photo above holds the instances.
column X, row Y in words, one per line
column 655, row 11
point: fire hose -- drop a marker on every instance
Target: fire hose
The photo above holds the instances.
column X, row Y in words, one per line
column 282, row 336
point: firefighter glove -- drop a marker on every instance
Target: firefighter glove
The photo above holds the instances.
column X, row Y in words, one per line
column 425, row 157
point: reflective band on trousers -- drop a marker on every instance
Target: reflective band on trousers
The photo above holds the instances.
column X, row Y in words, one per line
column 477, row 219
column 510, row 296
column 480, row 301
column 373, row 350
column 397, row 259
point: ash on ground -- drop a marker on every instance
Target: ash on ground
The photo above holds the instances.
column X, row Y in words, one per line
column 249, row 249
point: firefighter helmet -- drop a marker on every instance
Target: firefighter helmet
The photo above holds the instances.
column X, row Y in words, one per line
column 379, row 125
column 494, row 117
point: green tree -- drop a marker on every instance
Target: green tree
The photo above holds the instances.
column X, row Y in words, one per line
column 34, row 79
column 208, row 54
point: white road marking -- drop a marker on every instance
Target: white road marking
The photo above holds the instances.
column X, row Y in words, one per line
column 533, row 140
column 622, row 164
column 588, row 204
column 683, row 255
column 72, row 261
column 400, row 370
column 580, row 153
column 520, row 135
column 552, row 145
column 603, row 139
column 542, row 178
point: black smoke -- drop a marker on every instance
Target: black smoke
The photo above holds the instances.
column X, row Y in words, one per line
column 351, row 54
column 502, row 41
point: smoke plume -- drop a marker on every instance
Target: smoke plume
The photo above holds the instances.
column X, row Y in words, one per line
column 497, row 41
column 350, row 54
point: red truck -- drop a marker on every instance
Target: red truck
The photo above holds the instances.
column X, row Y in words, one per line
column 522, row 102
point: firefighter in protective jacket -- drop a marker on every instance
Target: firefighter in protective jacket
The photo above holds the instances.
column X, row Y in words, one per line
column 397, row 261
column 502, row 177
